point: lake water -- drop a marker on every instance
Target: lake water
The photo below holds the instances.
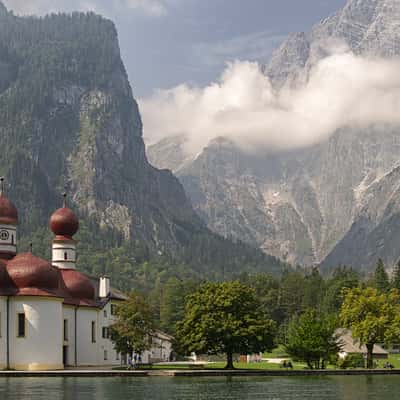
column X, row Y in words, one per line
column 160, row 388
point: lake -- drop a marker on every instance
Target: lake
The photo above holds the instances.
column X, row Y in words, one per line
column 170, row 388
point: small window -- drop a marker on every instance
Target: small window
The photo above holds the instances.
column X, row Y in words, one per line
column 105, row 355
column 12, row 239
column 65, row 256
column 93, row 332
column 21, row 325
column 117, row 355
column 113, row 309
column 65, row 329
column 105, row 313
column 105, row 332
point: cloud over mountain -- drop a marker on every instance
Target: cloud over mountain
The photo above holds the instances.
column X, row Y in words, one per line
column 343, row 89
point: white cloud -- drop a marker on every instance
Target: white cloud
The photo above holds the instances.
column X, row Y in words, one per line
column 343, row 90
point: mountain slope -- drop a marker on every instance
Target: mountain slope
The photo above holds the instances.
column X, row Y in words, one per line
column 299, row 206
column 68, row 117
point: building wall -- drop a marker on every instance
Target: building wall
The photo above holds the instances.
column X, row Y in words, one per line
column 87, row 350
column 161, row 348
column 106, row 346
column 3, row 332
column 41, row 348
column 69, row 315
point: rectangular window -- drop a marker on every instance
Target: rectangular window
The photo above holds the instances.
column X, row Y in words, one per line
column 21, row 325
column 105, row 355
column 113, row 309
column 117, row 356
column 105, row 332
column 65, row 329
column 93, row 332
column 105, row 313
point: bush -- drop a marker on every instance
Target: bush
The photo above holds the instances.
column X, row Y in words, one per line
column 351, row 361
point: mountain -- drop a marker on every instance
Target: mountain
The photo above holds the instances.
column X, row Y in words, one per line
column 316, row 205
column 68, row 117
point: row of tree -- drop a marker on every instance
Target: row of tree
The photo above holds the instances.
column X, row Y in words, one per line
column 236, row 317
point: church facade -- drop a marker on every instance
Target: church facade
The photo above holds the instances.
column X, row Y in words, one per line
column 51, row 315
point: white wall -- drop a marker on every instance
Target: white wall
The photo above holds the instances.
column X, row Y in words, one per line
column 87, row 350
column 106, row 320
column 41, row 348
column 69, row 314
column 59, row 250
column 8, row 243
column 3, row 332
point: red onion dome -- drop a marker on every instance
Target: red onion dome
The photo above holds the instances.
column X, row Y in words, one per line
column 64, row 222
column 6, row 286
column 78, row 284
column 29, row 272
column 8, row 212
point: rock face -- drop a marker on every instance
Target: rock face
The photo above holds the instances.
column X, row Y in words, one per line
column 68, row 117
column 332, row 203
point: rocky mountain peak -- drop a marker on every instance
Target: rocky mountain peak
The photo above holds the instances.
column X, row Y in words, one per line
column 336, row 201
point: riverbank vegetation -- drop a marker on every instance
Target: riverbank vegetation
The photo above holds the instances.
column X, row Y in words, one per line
column 298, row 311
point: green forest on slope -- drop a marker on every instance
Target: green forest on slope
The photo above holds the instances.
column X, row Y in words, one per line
column 57, row 56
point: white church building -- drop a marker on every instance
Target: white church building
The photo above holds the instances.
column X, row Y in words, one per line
column 51, row 315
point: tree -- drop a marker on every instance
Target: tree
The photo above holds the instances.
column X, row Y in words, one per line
column 381, row 278
column 225, row 318
column 311, row 338
column 342, row 277
column 395, row 283
column 373, row 317
column 133, row 326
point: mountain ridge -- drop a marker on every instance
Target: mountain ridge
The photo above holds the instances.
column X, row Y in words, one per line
column 299, row 206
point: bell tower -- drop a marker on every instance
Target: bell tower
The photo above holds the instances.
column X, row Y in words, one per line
column 8, row 225
column 64, row 224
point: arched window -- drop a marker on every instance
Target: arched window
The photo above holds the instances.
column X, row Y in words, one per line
column 65, row 256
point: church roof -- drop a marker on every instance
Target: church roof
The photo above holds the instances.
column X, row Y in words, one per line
column 8, row 212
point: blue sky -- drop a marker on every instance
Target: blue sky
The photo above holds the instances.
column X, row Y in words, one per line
column 168, row 42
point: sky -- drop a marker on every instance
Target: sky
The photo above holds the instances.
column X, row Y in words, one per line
column 165, row 43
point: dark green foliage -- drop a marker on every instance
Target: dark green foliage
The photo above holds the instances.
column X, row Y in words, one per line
column 351, row 361
column 311, row 338
column 47, row 65
column 381, row 278
column 343, row 277
column 395, row 282
column 225, row 318
column 133, row 326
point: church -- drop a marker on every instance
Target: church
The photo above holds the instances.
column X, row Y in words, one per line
column 51, row 315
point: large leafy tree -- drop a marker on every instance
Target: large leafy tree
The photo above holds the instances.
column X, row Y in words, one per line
column 372, row 316
column 225, row 318
column 311, row 338
column 133, row 326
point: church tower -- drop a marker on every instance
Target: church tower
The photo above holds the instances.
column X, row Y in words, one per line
column 8, row 226
column 64, row 224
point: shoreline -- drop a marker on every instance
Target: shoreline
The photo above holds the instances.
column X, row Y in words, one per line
column 195, row 373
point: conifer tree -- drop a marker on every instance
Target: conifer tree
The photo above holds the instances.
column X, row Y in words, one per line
column 396, row 276
column 381, row 278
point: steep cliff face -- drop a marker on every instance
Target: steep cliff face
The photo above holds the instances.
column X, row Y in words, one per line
column 68, row 117
column 299, row 206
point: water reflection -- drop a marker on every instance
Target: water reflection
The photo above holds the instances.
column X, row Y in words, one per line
column 268, row 388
